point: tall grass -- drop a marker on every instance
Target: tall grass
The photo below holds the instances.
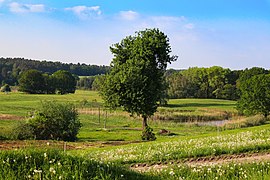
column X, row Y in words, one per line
column 243, row 122
column 33, row 164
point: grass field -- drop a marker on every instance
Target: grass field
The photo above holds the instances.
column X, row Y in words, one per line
column 115, row 126
column 110, row 140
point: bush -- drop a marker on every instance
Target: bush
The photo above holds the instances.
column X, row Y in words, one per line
column 23, row 131
column 148, row 134
column 55, row 121
column 5, row 88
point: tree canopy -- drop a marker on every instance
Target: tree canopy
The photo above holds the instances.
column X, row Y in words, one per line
column 32, row 81
column 195, row 82
column 65, row 82
column 11, row 68
column 255, row 95
column 136, row 80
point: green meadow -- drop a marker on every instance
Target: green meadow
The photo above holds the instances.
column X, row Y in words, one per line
column 109, row 144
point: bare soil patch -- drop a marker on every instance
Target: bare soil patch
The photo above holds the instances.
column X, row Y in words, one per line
column 10, row 117
column 205, row 161
column 34, row 144
column 47, row 144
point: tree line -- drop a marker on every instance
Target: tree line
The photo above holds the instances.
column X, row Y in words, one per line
column 11, row 68
column 35, row 82
column 213, row 82
column 250, row 87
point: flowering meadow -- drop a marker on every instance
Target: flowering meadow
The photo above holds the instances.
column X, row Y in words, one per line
column 112, row 150
column 55, row 165
column 178, row 149
column 231, row 171
column 114, row 162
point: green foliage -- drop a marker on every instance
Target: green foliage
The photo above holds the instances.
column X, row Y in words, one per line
column 32, row 81
column 148, row 135
column 10, row 68
column 49, row 84
column 136, row 79
column 65, row 82
column 55, row 165
column 98, row 82
column 229, row 91
column 248, row 73
column 213, row 82
column 255, row 95
column 85, row 82
column 23, row 131
column 5, row 88
column 54, row 120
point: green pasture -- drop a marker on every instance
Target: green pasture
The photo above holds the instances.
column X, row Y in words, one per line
column 100, row 124
column 111, row 141
column 20, row 103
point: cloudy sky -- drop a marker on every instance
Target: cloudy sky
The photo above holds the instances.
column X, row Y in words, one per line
column 203, row 33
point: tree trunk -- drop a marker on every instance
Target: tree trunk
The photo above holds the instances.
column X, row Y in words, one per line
column 144, row 122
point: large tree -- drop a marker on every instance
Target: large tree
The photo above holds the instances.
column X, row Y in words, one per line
column 136, row 80
column 255, row 95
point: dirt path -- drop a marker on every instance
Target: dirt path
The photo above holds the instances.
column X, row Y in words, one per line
column 46, row 144
column 10, row 117
column 205, row 161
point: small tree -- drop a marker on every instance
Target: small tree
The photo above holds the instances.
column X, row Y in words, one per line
column 55, row 121
column 136, row 80
column 255, row 95
column 64, row 81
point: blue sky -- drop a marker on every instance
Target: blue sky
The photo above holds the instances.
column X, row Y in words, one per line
column 203, row 33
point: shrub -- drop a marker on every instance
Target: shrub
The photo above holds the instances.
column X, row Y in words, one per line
column 55, row 121
column 5, row 88
column 23, row 131
column 148, row 134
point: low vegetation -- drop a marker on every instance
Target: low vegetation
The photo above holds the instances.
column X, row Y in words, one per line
column 109, row 141
column 191, row 147
column 54, row 120
column 50, row 164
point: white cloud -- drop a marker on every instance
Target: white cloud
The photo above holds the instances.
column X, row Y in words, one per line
column 26, row 8
column 85, row 12
column 129, row 15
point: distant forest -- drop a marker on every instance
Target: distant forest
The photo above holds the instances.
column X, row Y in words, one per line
column 195, row 82
column 11, row 68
